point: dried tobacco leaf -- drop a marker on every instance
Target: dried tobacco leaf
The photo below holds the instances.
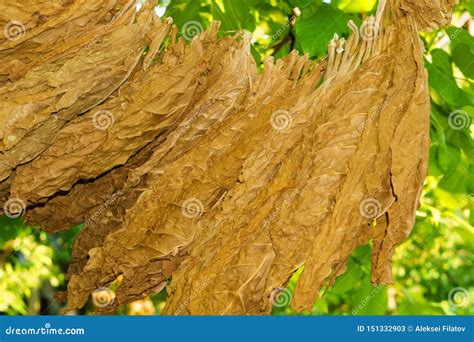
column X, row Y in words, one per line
column 221, row 179
column 35, row 33
column 142, row 111
column 37, row 106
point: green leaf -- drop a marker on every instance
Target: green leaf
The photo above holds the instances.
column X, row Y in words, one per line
column 441, row 80
column 10, row 228
column 464, row 59
column 314, row 33
column 370, row 300
column 438, row 123
column 442, row 60
column 448, row 158
column 234, row 15
column 469, row 5
column 462, row 50
column 356, row 6
column 183, row 11
column 302, row 4
column 459, row 36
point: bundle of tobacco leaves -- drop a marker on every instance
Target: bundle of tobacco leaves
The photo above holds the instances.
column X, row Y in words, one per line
column 190, row 170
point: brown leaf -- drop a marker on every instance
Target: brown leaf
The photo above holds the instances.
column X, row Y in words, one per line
column 187, row 165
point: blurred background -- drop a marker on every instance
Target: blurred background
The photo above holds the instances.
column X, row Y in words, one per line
column 433, row 270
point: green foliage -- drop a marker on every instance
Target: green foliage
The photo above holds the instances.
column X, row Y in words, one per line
column 315, row 30
column 26, row 261
column 357, row 6
column 30, row 266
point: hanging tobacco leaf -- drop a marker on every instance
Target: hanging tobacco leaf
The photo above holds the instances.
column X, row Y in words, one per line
column 186, row 165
